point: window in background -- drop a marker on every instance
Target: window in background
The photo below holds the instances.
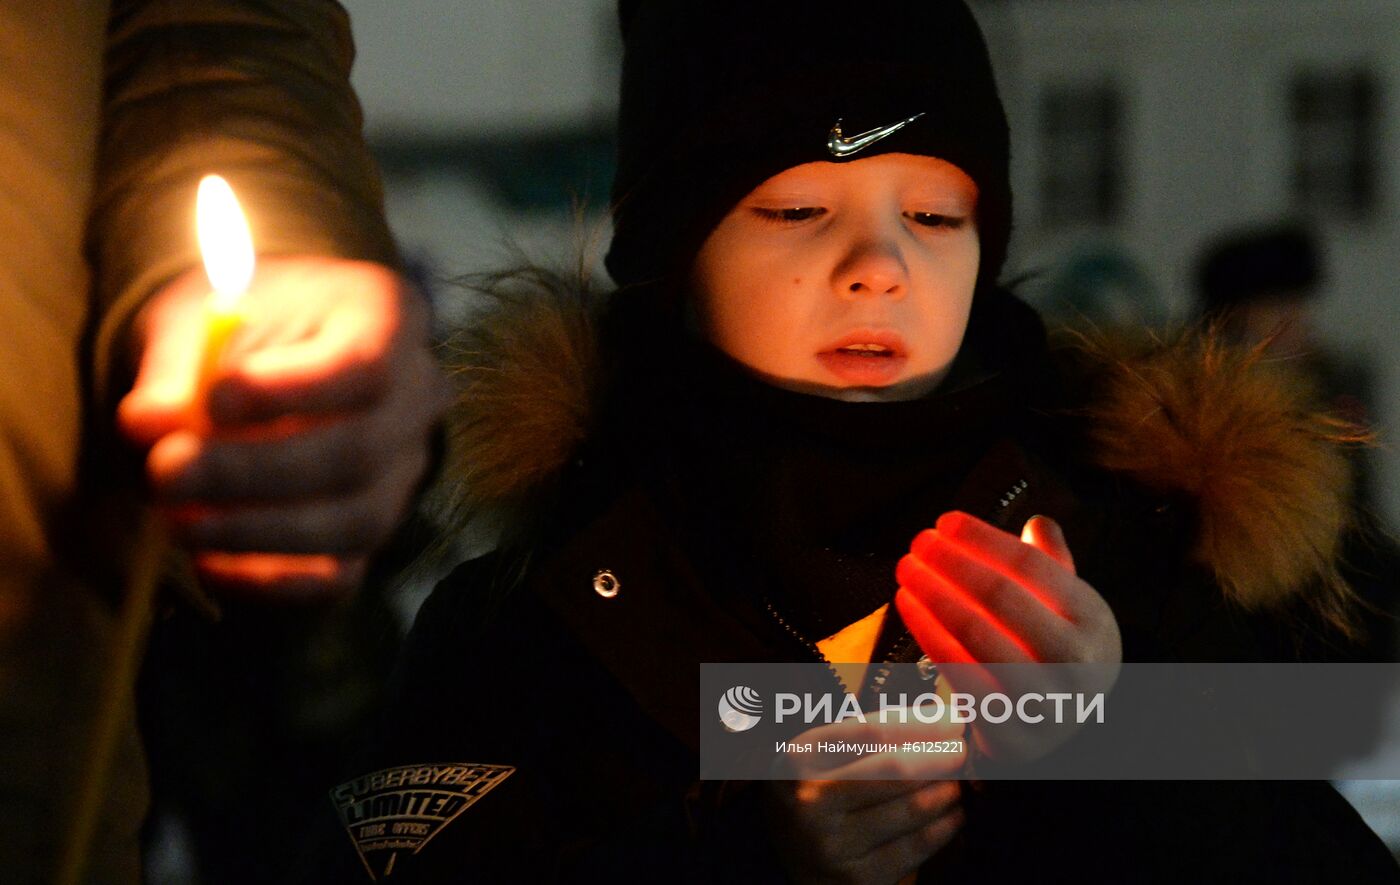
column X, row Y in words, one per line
column 1335, row 126
column 1081, row 158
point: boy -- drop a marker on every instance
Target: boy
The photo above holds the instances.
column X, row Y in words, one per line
column 744, row 452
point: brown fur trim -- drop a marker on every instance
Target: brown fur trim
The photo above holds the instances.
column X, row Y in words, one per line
column 1240, row 434
column 1230, row 429
column 524, row 372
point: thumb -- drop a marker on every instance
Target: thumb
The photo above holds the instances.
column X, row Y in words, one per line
column 1045, row 535
column 171, row 342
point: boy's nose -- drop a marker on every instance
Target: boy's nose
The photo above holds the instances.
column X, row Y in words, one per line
column 872, row 269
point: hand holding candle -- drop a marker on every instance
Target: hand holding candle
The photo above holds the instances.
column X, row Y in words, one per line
column 973, row 594
column 284, row 460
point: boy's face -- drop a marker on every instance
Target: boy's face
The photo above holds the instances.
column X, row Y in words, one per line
column 849, row 280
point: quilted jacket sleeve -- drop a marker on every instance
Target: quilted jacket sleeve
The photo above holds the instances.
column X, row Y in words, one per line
column 255, row 90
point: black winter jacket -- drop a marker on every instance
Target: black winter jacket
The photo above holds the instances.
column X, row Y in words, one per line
column 555, row 682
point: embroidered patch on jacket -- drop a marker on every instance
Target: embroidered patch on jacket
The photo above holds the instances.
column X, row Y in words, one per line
column 400, row 809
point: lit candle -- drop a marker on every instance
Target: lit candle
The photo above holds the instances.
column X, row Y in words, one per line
column 227, row 247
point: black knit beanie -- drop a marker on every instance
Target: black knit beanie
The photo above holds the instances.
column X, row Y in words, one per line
column 720, row 95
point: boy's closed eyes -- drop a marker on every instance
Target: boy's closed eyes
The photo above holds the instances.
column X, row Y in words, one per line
column 849, row 280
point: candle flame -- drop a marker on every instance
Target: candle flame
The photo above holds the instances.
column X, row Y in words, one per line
column 224, row 241
column 1028, row 532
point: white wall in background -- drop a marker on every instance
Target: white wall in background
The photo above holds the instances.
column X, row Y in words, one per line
column 436, row 67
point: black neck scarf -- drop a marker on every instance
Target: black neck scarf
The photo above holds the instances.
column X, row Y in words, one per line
column 800, row 506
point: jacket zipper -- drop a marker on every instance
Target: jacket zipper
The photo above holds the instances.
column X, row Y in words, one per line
column 806, row 643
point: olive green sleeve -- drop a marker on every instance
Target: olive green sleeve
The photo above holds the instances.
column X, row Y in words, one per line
column 255, row 90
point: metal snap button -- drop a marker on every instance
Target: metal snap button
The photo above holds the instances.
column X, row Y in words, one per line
column 927, row 669
column 606, row 584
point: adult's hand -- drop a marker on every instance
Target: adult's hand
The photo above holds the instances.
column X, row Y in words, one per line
column 973, row 595
column 308, row 447
column 834, row 823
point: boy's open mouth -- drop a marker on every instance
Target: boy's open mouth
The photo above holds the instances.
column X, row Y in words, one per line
column 865, row 358
column 870, row 350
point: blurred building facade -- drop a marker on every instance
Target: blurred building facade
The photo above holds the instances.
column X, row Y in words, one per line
column 1147, row 128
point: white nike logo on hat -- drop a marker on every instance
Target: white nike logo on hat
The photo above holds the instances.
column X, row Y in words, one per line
column 841, row 146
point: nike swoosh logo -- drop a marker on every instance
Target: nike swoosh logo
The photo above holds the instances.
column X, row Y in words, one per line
column 843, row 146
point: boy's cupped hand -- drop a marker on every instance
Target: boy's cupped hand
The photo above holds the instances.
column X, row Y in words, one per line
column 973, row 594
column 872, row 817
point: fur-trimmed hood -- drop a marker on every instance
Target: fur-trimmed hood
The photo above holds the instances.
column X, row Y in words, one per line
column 1228, row 429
